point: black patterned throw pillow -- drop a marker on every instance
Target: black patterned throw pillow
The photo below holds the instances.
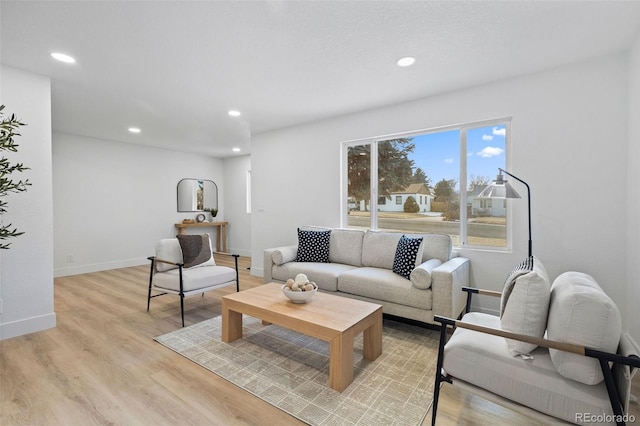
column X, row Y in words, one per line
column 196, row 250
column 313, row 246
column 406, row 255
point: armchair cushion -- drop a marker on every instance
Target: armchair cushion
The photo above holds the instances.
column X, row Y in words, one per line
column 195, row 279
column 168, row 249
column 408, row 251
column 581, row 313
column 196, row 250
column 484, row 360
column 421, row 276
column 525, row 304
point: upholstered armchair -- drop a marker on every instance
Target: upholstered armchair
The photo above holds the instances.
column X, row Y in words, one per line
column 185, row 266
column 557, row 352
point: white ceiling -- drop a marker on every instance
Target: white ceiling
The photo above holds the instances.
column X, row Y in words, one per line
column 174, row 68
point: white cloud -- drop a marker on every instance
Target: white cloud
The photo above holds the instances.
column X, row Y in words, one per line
column 448, row 160
column 490, row 151
column 500, row 132
column 487, row 137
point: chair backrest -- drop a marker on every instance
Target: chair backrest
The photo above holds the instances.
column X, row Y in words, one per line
column 168, row 249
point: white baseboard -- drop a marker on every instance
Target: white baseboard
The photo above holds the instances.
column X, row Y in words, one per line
column 97, row 267
column 27, row 325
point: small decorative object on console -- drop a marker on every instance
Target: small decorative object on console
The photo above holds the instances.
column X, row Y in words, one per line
column 300, row 289
column 187, row 221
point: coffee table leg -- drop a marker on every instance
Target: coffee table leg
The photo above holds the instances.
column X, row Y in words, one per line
column 341, row 361
column 231, row 324
column 372, row 338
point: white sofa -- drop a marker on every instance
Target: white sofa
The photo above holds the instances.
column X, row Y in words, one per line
column 551, row 350
column 360, row 265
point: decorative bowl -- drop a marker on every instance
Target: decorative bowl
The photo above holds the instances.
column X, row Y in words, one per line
column 299, row 296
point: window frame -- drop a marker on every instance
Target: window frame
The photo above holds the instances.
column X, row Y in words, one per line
column 462, row 175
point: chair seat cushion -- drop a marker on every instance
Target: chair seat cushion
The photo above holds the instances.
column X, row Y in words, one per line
column 484, row 360
column 195, row 278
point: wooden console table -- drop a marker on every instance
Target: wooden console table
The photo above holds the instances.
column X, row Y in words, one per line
column 221, row 234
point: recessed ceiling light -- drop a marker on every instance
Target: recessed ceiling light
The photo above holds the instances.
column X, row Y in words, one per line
column 134, row 130
column 407, row 61
column 63, row 58
column 234, row 113
column 236, row 149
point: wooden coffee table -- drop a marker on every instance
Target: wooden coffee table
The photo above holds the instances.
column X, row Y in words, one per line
column 334, row 319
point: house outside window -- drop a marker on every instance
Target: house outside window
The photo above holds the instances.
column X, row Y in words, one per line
column 435, row 176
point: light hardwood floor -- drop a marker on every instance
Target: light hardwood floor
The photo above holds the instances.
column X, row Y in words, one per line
column 100, row 365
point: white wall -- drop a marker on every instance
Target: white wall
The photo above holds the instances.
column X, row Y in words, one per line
column 633, row 177
column 569, row 142
column 113, row 201
column 26, row 269
column 235, row 186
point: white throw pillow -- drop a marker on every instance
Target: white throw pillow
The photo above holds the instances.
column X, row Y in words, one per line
column 525, row 305
column 582, row 314
column 284, row 255
column 421, row 275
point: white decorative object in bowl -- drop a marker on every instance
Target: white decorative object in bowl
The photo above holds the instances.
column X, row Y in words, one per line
column 299, row 290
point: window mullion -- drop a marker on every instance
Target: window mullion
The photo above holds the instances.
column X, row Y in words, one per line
column 463, row 187
column 373, row 203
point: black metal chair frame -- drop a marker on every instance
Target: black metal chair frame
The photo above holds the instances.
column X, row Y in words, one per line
column 604, row 358
column 180, row 266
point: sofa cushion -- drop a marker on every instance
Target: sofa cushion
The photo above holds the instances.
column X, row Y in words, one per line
column 313, row 246
column 421, row 276
column 345, row 246
column 325, row 275
column 436, row 246
column 196, row 250
column 168, row 249
column 383, row 284
column 379, row 249
column 408, row 255
column 525, row 305
column 484, row 360
column 581, row 313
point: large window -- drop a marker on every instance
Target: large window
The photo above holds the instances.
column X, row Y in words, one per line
column 429, row 181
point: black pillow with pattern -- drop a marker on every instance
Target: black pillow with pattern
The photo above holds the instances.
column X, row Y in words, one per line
column 196, row 250
column 406, row 255
column 313, row 246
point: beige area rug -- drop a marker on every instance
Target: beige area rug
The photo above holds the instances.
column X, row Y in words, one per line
column 291, row 371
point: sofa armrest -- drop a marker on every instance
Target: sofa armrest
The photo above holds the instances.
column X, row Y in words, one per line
column 277, row 256
column 447, row 281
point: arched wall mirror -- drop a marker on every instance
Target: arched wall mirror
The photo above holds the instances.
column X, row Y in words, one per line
column 195, row 195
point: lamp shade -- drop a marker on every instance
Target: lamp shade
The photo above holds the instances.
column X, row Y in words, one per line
column 499, row 188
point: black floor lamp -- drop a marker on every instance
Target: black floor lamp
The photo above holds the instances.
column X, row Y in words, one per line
column 501, row 189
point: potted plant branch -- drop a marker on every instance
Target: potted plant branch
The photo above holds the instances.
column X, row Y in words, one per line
column 8, row 131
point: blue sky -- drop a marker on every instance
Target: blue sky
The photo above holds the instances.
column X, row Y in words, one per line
column 438, row 154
